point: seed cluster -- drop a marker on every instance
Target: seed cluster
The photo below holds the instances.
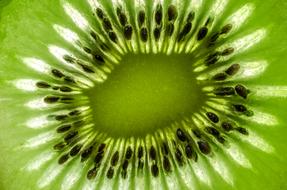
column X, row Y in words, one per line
column 176, row 146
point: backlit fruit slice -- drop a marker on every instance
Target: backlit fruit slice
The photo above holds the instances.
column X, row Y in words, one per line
column 165, row 94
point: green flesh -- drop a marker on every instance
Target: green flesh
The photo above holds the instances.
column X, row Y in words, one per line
column 138, row 97
column 26, row 29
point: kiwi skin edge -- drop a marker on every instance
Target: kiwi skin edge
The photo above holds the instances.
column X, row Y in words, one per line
column 15, row 115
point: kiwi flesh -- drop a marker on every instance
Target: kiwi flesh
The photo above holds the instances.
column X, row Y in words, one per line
column 142, row 95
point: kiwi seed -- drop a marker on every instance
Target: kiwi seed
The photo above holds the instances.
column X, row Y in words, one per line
column 213, row 117
column 233, row 69
column 42, row 85
column 202, row 33
column 224, row 91
column 241, row 91
column 186, row 29
column 204, row 147
column 161, row 30
column 172, row 12
column 181, row 135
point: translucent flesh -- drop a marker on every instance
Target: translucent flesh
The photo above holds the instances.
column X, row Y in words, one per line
column 24, row 32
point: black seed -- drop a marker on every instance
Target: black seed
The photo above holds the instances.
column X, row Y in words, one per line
column 190, row 16
column 242, row 130
column 166, row 164
column 124, row 174
column 220, row 139
column 63, row 128
column 184, row 31
column 224, row 91
column 212, row 131
column 154, row 170
column 119, row 10
column 70, row 136
column 220, row 77
column 128, row 32
column 240, row 108
column 98, row 158
column 140, row 152
column 75, row 112
column 212, row 59
column 78, row 123
column 227, row 51
column 172, row 12
column 180, row 134
column 92, row 173
column 65, row 89
column 110, row 173
column 87, row 50
column 212, row 56
column 63, row 159
column 156, row 33
column 212, row 116
column 214, row 37
column 86, row 153
column 122, row 18
column 165, row 148
column 94, row 35
column 100, row 13
column 56, row 88
column 141, row 17
column 87, row 68
column 152, row 153
column 129, row 153
column 57, row 73
column 51, row 99
column 61, row 117
column 101, row 148
column 66, row 98
column 178, row 156
column 144, row 34
column 140, row 164
column 125, row 164
column 188, row 151
column 99, row 58
column 42, row 85
column 208, row 21
column 197, row 133
column 249, row 113
column 233, row 69
column 202, row 33
column 69, row 79
column 113, row 36
column 107, row 24
column 69, row 59
column 241, row 91
column 158, row 15
column 75, row 150
column 115, row 158
column 226, row 126
column 204, row 147
column 170, row 28
column 59, row 146
column 226, row 29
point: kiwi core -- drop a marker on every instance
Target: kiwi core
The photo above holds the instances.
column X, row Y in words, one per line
column 144, row 93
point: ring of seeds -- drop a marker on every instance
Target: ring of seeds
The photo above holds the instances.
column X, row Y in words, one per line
column 168, row 30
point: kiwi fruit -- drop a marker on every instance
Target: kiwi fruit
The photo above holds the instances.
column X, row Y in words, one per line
column 142, row 94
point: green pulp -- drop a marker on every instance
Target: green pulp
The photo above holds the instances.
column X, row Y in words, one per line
column 145, row 92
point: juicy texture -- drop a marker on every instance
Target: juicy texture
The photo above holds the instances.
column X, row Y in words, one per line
column 202, row 145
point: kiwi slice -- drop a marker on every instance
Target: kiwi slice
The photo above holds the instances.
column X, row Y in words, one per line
column 142, row 94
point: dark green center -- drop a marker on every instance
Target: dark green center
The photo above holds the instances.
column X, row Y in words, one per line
column 144, row 93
